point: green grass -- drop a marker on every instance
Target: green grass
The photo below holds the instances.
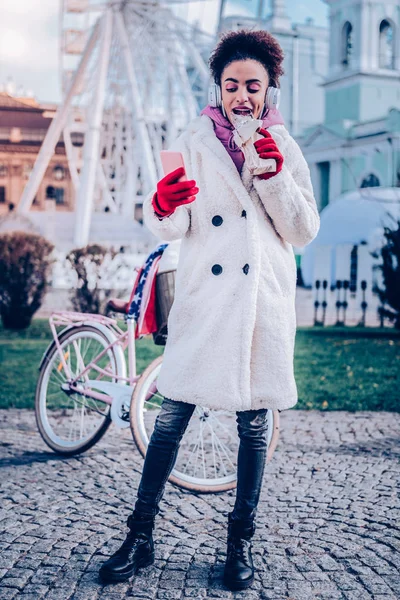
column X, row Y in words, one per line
column 348, row 369
column 20, row 356
column 336, row 369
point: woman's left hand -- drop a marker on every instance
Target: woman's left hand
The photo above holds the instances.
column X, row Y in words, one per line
column 267, row 148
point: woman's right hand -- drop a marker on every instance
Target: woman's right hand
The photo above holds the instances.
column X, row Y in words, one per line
column 172, row 193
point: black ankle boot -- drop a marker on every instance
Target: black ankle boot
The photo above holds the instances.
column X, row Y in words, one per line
column 239, row 568
column 136, row 551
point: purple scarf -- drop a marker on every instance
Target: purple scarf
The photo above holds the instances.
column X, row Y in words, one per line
column 224, row 130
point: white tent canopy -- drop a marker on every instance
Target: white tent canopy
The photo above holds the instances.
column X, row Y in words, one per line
column 353, row 218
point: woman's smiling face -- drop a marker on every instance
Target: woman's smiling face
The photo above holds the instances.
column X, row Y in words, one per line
column 244, row 85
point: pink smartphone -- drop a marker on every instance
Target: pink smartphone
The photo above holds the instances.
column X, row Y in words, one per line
column 171, row 161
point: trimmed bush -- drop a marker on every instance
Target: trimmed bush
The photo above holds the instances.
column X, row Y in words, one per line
column 93, row 268
column 25, row 264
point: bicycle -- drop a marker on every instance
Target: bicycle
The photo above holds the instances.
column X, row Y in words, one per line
column 85, row 384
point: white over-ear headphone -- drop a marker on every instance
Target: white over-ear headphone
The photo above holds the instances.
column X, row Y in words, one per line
column 272, row 97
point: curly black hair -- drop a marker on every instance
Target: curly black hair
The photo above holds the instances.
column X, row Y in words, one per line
column 244, row 44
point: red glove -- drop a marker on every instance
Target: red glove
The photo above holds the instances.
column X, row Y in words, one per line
column 267, row 148
column 170, row 193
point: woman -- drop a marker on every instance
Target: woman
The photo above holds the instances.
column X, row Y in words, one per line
column 232, row 325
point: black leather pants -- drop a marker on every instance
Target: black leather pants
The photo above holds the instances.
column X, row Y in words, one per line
column 170, row 426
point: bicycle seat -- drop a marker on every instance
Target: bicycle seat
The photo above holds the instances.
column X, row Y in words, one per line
column 117, row 305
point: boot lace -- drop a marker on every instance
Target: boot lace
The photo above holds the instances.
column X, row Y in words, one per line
column 129, row 542
column 237, row 551
column 126, row 544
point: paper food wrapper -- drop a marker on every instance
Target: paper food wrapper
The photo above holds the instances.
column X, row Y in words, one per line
column 244, row 135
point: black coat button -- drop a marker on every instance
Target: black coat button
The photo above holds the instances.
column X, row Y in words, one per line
column 246, row 269
column 216, row 269
column 217, row 220
column 244, row 213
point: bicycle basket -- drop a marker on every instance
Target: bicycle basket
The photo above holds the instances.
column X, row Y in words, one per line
column 165, row 292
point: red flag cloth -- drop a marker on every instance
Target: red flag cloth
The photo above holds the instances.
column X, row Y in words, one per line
column 147, row 322
column 142, row 303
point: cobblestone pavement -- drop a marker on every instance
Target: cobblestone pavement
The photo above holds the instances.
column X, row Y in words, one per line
column 328, row 521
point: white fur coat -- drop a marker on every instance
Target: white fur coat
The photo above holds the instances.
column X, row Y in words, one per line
column 232, row 326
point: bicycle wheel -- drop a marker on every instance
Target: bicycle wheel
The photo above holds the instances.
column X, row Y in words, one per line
column 70, row 422
column 207, row 457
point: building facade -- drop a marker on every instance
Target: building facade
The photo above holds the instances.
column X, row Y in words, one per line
column 23, row 126
column 357, row 144
column 306, row 49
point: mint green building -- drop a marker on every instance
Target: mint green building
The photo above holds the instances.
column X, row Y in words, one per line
column 358, row 143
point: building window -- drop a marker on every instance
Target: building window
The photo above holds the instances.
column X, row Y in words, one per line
column 57, row 194
column 324, row 176
column 60, row 200
column 386, row 45
column 50, row 192
column 3, row 170
column 347, row 44
column 370, row 181
column 59, row 172
column 2, row 194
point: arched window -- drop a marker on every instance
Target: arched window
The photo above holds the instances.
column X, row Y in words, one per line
column 386, row 45
column 59, row 172
column 370, row 181
column 347, row 45
column 50, row 193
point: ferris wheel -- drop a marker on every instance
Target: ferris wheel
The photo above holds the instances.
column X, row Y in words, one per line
column 133, row 74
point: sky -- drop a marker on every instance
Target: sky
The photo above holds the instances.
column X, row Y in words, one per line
column 29, row 37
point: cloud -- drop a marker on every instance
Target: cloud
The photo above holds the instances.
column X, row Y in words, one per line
column 29, row 41
column 29, row 35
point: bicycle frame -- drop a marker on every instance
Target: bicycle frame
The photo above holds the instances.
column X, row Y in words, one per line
column 124, row 394
column 124, row 339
